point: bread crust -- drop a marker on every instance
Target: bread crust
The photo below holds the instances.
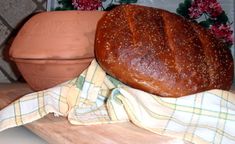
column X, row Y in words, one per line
column 161, row 53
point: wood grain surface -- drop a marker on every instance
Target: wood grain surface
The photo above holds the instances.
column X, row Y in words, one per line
column 57, row 130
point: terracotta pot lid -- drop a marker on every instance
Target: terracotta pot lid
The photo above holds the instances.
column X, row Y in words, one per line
column 57, row 35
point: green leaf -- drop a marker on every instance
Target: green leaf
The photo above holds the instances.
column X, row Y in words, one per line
column 133, row 1
column 183, row 8
column 123, row 1
column 58, row 9
column 222, row 18
column 65, row 5
column 229, row 45
column 182, row 12
column 59, row 1
column 188, row 3
column 205, row 24
column 110, row 7
column 127, row 1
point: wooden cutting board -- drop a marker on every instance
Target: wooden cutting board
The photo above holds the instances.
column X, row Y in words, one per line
column 57, row 130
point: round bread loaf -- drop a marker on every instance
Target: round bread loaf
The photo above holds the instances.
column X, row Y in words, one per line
column 161, row 53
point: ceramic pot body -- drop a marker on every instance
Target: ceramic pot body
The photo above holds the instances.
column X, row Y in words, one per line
column 53, row 47
column 42, row 75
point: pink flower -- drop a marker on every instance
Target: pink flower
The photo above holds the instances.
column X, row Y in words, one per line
column 210, row 7
column 87, row 4
column 194, row 12
column 214, row 9
column 222, row 31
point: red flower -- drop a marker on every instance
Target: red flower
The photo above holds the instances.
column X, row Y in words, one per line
column 210, row 7
column 87, row 4
column 214, row 9
column 195, row 12
column 222, row 31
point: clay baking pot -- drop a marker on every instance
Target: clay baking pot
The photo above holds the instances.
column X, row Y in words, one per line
column 53, row 47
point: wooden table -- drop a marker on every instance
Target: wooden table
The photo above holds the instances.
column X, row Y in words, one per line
column 57, row 130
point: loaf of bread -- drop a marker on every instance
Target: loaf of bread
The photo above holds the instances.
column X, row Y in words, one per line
column 161, row 53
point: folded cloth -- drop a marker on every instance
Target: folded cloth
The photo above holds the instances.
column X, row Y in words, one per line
column 95, row 97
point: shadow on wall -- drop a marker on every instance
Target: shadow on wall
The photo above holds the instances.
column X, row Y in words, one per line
column 5, row 52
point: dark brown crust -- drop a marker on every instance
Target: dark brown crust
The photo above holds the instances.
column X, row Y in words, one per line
column 161, row 53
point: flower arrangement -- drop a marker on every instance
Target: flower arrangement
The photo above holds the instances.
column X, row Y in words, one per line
column 91, row 4
column 87, row 4
column 215, row 18
column 208, row 13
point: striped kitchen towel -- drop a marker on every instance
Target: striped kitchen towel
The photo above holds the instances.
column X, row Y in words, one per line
column 95, row 97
